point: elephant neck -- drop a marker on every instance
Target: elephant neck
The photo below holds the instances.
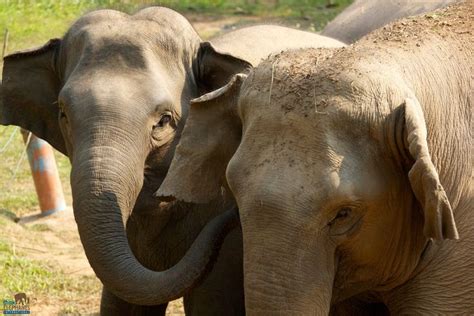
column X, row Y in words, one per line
column 168, row 231
column 444, row 268
column 449, row 254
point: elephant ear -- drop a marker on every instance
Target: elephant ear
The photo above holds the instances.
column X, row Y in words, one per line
column 424, row 179
column 30, row 91
column 213, row 69
column 210, row 137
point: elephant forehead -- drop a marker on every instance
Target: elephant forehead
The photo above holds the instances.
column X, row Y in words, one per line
column 122, row 41
column 97, row 43
column 309, row 136
column 310, row 102
column 286, row 152
column 298, row 158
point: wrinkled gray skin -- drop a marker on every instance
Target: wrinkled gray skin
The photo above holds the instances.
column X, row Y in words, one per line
column 113, row 95
column 364, row 16
column 352, row 169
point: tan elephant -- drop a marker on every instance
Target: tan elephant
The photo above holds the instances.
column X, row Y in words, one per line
column 351, row 168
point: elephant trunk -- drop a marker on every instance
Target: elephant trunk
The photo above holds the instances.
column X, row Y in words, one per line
column 285, row 274
column 105, row 183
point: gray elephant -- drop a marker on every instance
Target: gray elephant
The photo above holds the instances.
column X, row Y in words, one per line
column 364, row 16
column 352, row 169
column 113, row 95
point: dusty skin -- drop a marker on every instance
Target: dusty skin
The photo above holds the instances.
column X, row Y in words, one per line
column 352, row 171
column 364, row 16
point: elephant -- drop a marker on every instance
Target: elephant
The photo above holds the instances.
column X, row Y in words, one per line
column 21, row 299
column 364, row 16
column 351, row 169
column 113, row 95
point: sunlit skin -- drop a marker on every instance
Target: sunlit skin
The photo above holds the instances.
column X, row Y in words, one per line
column 349, row 169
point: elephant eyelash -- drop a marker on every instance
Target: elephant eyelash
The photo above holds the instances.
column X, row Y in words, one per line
column 342, row 213
column 348, row 208
column 165, row 119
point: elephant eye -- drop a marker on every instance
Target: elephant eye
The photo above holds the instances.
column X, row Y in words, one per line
column 164, row 120
column 342, row 214
column 347, row 221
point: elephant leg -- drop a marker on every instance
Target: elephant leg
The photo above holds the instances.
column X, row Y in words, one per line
column 221, row 293
column 114, row 306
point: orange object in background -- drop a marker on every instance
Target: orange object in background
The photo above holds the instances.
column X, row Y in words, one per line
column 45, row 174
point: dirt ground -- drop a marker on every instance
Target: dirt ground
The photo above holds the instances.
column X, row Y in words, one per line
column 54, row 240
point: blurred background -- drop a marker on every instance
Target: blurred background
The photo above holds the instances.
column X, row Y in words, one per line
column 44, row 257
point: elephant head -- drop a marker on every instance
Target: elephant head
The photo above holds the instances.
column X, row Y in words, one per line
column 334, row 198
column 112, row 95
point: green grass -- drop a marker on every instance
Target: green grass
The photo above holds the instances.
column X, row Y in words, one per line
column 6, row 215
column 19, row 274
column 40, row 227
column 22, row 275
column 32, row 22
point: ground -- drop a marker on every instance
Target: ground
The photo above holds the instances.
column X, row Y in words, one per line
column 43, row 257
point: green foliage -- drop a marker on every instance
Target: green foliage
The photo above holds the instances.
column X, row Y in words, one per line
column 21, row 201
column 20, row 274
column 32, row 22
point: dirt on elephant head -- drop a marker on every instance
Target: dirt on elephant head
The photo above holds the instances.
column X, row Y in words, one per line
column 290, row 76
column 455, row 21
column 303, row 77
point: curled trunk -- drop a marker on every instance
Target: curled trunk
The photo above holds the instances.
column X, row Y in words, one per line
column 105, row 185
